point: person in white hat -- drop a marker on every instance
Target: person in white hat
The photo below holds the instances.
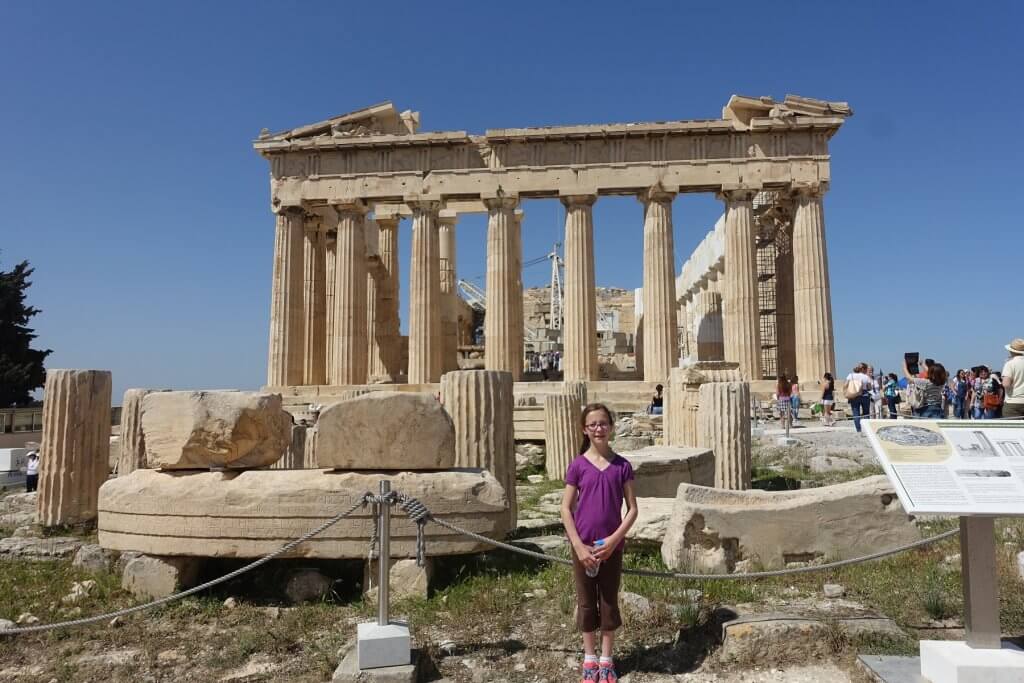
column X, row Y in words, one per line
column 1013, row 380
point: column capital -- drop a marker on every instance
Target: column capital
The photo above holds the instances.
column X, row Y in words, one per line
column 349, row 206
column 815, row 190
column 447, row 217
column 656, row 193
column 576, row 200
column 507, row 203
column 731, row 193
column 288, row 210
column 421, row 206
column 387, row 222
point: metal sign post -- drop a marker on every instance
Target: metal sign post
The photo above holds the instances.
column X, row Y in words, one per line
column 384, row 555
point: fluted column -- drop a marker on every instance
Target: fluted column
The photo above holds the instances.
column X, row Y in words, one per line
column 424, row 295
column 708, row 323
column 314, row 302
column 75, row 453
column 449, row 297
column 579, row 334
column 785, row 332
column 330, row 258
column 389, row 339
column 503, row 330
column 284, row 362
column 724, row 427
column 563, row 436
column 481, row 404
column 812, row 299
column 375, row 324
column 132, row 440
column 350, row 360
column 660, row 343
column 741, row 312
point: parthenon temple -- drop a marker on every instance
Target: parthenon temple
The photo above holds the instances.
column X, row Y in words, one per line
column 756, row 290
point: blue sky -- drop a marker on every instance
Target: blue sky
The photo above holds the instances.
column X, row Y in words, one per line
column 129, row 181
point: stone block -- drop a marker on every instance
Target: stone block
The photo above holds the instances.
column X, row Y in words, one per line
column 562, row 433
column 348, row 670
column 133, row 441
column 253, row 512
column 379, row 646
column 294, row 457
column 148, row 577
column 723, row 424
column 93, row 558
column 188, row 430
column 659, row 470
column 75, row 456
column 386, row 430
column 713, row 529
column 406, row 579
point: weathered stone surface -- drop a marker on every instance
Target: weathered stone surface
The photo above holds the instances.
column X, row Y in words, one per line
column 18, row 509
column 682, row 398
column 481, row 407
column 659, row 470
column 563, row 435
column 294, row 457
column 187, row 430
column 74, row 459
column 653, row 517
column 713, row 529
column 724, row 426
column 829, row 463
column 148, row 576
column 348, row 670
column 93, row 558
column 253, row 512
column 386, row 430
column 29, row 548
column 406, row 579
column 132, row 438
column 306, row 585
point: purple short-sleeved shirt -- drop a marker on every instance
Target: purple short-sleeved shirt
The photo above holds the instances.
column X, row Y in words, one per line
column 599, row 505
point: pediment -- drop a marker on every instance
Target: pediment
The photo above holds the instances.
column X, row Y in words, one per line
column 378, row 119
column 742, row 109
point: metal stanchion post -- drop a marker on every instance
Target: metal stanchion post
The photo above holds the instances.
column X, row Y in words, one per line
column 384, row 556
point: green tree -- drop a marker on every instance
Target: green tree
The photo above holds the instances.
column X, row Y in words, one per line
column 21, row 366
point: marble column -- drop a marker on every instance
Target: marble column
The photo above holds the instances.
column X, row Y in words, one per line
column 350, row 361
column 579, row 333
column 377, row 369
column 660, row 342
column 284, row 363
column 708, row 324
column 785, row 332
column 723, row 425
column 424, row 295
column 387, row 227
column 314, row 302
column 503, row 321
column 741, row 311
column 133, row 441
column 74, row 458
column 449, row 297
column 330, row 258
column 812, row 300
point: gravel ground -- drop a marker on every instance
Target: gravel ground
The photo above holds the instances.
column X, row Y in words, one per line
column 794, row 674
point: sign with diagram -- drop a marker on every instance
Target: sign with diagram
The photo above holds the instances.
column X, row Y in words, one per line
column 956, row 467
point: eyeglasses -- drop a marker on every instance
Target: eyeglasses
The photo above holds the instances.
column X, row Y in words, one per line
column 594, row 426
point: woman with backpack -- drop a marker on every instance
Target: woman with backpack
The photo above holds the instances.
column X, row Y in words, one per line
column 925, row 395
column 984, row 397
column 856, row 391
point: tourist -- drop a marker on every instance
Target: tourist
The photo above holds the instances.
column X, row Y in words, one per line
column 794, row 399
column 997, row 379
column 891, row 393
column 959, row 387
column 657, row 401
column 984, row 396
column 597, row 482
column 828, row 399
column 783, row 399
column 32, row 472
column 858, row 384
column 874, row 394
column 545, row 364
column 932, row 389
column 1013, row 380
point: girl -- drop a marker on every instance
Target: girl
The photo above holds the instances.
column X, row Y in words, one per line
column 828, row 399
column 783, row 399
column 596, row 483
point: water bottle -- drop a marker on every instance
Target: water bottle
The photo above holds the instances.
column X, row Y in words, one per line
column 592, row 572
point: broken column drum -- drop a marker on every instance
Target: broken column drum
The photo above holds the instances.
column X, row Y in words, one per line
column 562, row 434
column 724, row 427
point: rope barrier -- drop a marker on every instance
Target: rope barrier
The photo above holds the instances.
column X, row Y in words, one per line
column 363, row 500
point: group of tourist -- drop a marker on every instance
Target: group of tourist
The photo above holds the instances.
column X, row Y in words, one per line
column 547, row 363
column 930, row 391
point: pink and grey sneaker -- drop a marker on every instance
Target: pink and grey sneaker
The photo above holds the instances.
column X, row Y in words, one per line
column 590, row 672
column 607, row 673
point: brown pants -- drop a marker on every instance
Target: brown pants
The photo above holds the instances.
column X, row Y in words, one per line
column 1013, row 410
column 597, row 599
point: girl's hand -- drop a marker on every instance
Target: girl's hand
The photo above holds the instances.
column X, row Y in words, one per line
column 601, row 553
column 585, row 555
